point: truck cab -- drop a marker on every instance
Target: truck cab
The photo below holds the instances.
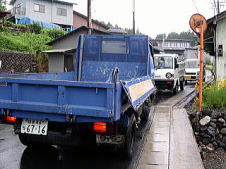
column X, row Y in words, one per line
column 169, row 72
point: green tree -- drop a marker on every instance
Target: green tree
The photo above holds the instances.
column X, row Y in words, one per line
column 188, row 35
column 173, row 35
column 161, row 36
column 2, row 5
column 54, row 33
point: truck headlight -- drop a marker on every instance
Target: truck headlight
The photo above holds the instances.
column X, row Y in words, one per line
column 169, row 75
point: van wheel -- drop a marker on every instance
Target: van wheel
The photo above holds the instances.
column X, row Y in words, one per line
column 128, row 147
column 175, row 90
column 182, row 85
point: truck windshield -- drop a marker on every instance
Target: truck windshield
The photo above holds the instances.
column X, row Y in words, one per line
column 191, row 64
column 163, row 62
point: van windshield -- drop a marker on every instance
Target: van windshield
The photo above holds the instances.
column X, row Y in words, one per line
column 192, row 64
column 163, row 62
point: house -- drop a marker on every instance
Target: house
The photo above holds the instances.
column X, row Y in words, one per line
column 52, row 11
column 177, row 46
column 118, row 31
column 193, row 53
column 81, row 20
column 62, row 56
column 215, row 42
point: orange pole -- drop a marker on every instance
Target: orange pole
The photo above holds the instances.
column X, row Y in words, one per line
column 201, row 67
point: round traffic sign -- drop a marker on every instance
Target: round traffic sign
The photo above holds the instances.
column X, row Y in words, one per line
column 195, row 23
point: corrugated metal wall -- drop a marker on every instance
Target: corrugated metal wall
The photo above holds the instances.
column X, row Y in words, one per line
column 56, row 62
column 221, row 40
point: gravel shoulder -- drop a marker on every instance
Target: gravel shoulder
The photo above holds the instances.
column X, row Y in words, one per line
column 215, row 160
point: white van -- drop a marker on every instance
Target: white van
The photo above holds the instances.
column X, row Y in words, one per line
column 192, row 70
column 169, row 72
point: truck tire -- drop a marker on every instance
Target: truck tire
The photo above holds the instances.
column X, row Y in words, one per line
column 128, row 147
column 145, row 113
column 24, row 139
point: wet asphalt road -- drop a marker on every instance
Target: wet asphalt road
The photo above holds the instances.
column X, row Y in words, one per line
column 13, row 155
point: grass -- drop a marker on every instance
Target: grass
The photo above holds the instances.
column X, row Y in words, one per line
column 214, row 97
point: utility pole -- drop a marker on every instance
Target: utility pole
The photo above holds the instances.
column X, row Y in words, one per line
column 218, row 7
column 89, row 19
column 134, row 28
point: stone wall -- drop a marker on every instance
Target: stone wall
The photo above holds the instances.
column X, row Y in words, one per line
column 13, row 62
column 209, row 129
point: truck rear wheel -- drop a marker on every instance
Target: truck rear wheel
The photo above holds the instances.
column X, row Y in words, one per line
column 128, row 148
column 24, row 139
column 145, row 113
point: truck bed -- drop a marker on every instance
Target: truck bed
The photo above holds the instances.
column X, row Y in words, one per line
column 56, row 97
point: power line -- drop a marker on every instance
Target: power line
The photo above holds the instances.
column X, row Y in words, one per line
column 217, row 5
column 194, row 3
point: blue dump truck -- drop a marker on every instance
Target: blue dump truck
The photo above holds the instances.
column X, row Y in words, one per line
column 102, row 101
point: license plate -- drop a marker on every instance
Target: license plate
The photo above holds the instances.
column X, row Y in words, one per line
column 106, row 139
column 37, row 127
column 187, row 77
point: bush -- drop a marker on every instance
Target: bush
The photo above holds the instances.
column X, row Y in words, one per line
column 8, row 23
column 214, row 96
column 35, row 27
column 24, row 42
column 54, row 33
column 9, row 43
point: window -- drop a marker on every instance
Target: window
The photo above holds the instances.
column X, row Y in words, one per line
column 61, row 12
column 114, row 47
column 220, row 50
column 163, row 62
column 191, row 64
column 39, row 8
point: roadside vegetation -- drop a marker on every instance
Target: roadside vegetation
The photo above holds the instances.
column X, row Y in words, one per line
column 214, row 96
column 26, row 38
column 30, row 38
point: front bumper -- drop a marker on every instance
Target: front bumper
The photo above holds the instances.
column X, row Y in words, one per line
column 164, row 84
column 191, row 77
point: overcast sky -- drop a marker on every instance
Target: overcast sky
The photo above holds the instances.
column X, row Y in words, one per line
column 152, row 16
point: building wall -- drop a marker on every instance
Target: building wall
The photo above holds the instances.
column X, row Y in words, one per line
column 19, row 8
column 56, row 62
column 68, row 42
column 79, row 21
column 173, row 44
column 221, row 40
column 50, row 14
